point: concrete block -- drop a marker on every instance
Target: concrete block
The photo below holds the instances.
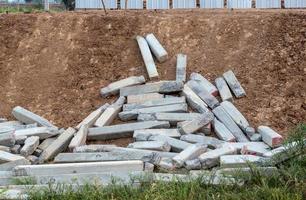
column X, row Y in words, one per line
column 163, row 87
column 209, row 99
column 172, row 118
column 194, row 164
column 208, row 86
column 27, row 117
column 270, row 137
column 123, row 130
column 11, row 124
column 151, row 145
column 206, row 140
column 92, row 117
column 133, row 114
column 166, row 164
column 256, row 137
column 211, row 158
column 142, row 98
column 224, row 90
column 59, row 145
column 147, row 57
column 148, row 167
column 225, row 118
column 41, row 132
column 236, row 115
column 239, row 160
column 282, row 150
column 205, row 130
column 15, row 149
column 157, row 49
column 8, row 157
column 149, row 132
column 256, row 150
column 34, row 160
column 30, row 144
column 176, row 145
column 20, row 139
column 266, row 171
column 222, row 132
column 193, row 100
column 47, row 142
column 108, row 116
column 190, row 153
column 196, row 124
column 93, row 148
column 7, row 136
column 73, row 168
column 8, row 166
column 153, row 103
column 79, row 138
column 114, row 88
column 234, row 84
column 181, row 65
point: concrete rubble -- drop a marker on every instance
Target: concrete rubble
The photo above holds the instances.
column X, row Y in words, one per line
column 178, row 126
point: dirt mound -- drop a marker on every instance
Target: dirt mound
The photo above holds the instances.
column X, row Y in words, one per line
column 55, row 64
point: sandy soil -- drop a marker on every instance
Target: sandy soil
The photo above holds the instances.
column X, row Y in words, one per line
column 55, row 64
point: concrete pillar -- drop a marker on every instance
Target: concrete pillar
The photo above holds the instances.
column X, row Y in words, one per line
column 157, row 49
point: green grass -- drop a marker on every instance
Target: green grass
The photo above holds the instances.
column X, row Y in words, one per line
column 288, row 184
column 34, row 9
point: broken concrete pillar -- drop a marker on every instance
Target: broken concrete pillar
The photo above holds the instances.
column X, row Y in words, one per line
column 114, row 88
column 92, row 117
column 133, row 114
column 7, row 157
column 206, row 130
column 176, row 145
column 11, row 124
column 166, row 164
column 93, row 148
column 190, row 153
column 7, row 136
column 194, row 164
column 20, row 139
column 163, row 87
column 108, row 116
column 2, row 119
column 181, row 65
column 270, row 137
column 266, row 171
column 148, row 167
column 5, row 148
column 208, row 86
column 167, row 132
column 224, row 90
column 16, row 149
column 153, row 103
column 239, row 160
column 236, row 115
column 79, row 138
column 123, row 130
column 147, row 57
column 73, row 168
column 224, row 117
column 196, row 124
column 34, row 160
column 193, row 100
column 157, row 49
column 211, row 158
column 28, row 117
column 142, row 98
column 47, row 142
column 240, row 145
column 151, row 145
column 41, row 132
column 222, row 132
column 59, row 145
column 8, row 166
column 209, row 141
column 256, row 150
column 172, row 118
column 234, row 84
column 209, row 99
column 30, row 144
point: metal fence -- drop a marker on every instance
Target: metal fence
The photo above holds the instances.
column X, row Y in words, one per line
column 295, row 3
column 95, row 4
column 268, row 3
column 135, row 4
column 176, row 4
column 239, row 4
column 158, row 4
column 211, row 3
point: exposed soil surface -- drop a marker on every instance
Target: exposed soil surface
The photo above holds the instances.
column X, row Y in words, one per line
column 55, row 64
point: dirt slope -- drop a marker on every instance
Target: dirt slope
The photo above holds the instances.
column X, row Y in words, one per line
column 55, row 64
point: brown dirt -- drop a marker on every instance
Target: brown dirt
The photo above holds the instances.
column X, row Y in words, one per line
column 55, row 64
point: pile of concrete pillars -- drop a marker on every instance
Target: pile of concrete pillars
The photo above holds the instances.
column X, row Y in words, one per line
column 175, row 124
